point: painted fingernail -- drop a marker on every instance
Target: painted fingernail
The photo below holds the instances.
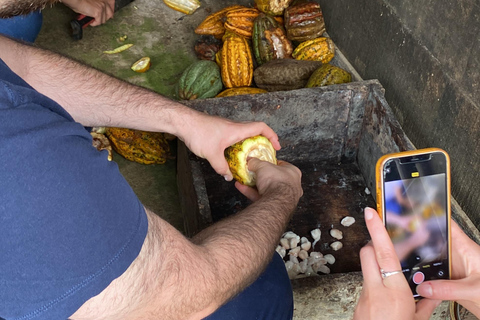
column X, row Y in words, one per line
column 368, row 213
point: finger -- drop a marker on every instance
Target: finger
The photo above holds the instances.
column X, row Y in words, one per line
column 384, row 251
column 463, row 289
column 220, row 165
column 247, row 191
column 425, row 308
column 370, row 268
column 254, row 164
column 259, row 128
column 109, row 11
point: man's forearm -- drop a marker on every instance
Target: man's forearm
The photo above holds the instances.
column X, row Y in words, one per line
column 173, row 278
column 245, row 242
column 90, row 96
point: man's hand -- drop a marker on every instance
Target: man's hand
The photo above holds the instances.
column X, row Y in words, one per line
column 283, row 177
column 209, row 136
column 100, row 10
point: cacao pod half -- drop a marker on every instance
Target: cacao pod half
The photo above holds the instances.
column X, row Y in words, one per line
column 304, row 21
column 201, row 80
column 272, row 7
column 284, row 74
column 327, row 75
column 207, row 47
column 139, row 146
column 269, row 41
column 214, row 23
column 240, row 21
column 236, row 60
column 319, row 49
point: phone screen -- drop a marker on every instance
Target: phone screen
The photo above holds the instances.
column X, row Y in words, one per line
column 416, row 215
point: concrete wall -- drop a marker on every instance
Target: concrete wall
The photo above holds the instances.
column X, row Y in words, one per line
column 427, row 56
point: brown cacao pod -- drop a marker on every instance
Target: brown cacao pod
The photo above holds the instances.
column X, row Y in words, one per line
column 239, row 91
column 319, row 49
column 304, row 21
column 236, row 60
column 272, row 7
column 139, row 146
column 240, row 21
column 214, row 23
column 207, row 47
column 284, row 74
column 269, row 41
column 327, row 75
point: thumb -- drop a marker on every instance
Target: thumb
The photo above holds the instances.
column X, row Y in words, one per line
column 447, row 289
column 220, row 165
column 425, row 308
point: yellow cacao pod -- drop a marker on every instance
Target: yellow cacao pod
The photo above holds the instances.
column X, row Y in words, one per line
column 139, row 146
column 236, row 60
column 214, row 23
column 319, row 49
column 240, row 91
column 240, row 21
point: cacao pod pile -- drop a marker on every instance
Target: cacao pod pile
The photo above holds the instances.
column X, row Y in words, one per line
column 275, row 45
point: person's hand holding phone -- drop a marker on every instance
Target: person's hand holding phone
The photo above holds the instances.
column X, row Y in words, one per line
column 388, row 296
column 465, row 288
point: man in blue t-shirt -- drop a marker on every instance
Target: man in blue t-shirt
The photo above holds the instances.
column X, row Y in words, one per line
column 75, row 241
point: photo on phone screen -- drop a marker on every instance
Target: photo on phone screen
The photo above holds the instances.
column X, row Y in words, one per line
column 416, row 215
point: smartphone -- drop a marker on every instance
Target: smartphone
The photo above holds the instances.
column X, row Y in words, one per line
column 413, row 199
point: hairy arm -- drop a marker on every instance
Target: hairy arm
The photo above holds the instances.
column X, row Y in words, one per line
column 177, row 278
column 96, row 99
column 90, row 96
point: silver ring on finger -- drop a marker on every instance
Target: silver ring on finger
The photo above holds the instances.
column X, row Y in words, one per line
column 386, row 274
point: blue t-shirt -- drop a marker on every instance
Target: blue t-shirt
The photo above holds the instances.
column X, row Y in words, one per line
column 69, row 222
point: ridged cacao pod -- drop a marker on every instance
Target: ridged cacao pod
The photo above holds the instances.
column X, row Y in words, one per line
column 304, row 21
column 237, row 155
column 327, row 75
column 207, row 47
column 240, row 91
column 201, row 80
column 214, row 23
column 237, row 62
column 319, row 49
column 272, row 7
column 240, row 21
column 284, row 74
column 269, row 41
column 139, row 146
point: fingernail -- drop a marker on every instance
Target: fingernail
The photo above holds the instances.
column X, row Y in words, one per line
column 368, row 213
column 227, row 177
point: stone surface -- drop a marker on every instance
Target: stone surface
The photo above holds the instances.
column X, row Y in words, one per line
column 426, row 55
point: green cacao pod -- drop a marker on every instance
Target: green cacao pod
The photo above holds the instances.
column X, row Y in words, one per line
column 304, row 21
column 327, row 75
column 269, row 40
column 284, row 74
column 200, row 80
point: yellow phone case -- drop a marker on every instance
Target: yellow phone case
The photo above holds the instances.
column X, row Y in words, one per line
column 380, row 192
